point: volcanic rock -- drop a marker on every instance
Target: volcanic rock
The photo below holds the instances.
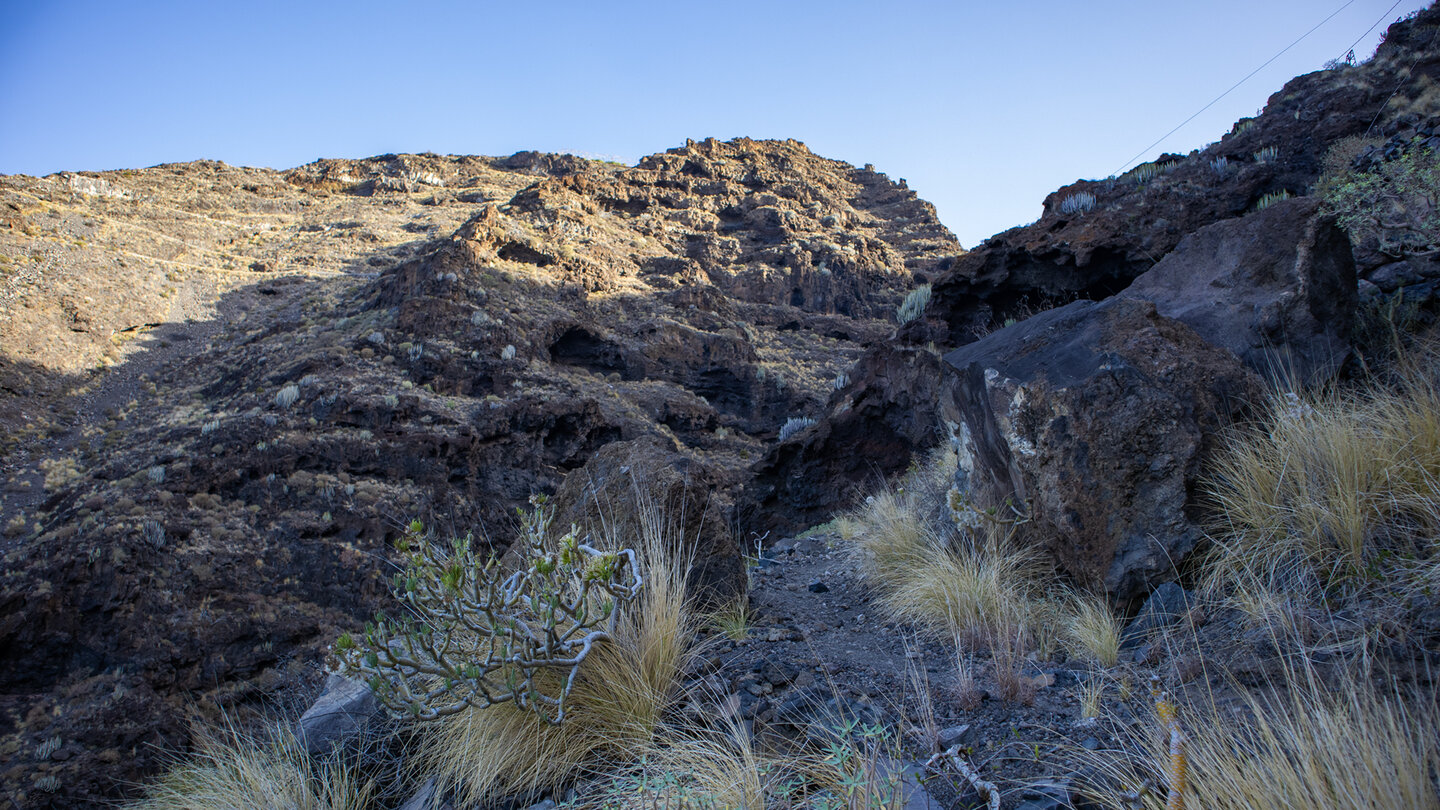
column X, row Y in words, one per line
column 629, row 488
column 409, row 336
column 1095, row 420
column 1276, row 287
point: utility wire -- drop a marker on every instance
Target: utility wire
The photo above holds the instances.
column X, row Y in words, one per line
column 1383, row 18
column 1247, row 78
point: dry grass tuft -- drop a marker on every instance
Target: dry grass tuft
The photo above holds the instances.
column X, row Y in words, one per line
column 692, row 768
column 1304, row 744
column 734, row 620
column 1092, row 630
column 1334, row 494
column 231, row 768
column 976, row 585
column 620, row 696
column 955, row 585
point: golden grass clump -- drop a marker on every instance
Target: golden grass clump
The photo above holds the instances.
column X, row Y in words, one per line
column 1091, row 629
column 616, row 707
column 1334, row 492
column 735, row 619
column 1306, row 744
column 692, row 768
column 271, row 770
column 977, row 586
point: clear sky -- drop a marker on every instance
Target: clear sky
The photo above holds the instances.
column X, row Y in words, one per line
column 984, row 107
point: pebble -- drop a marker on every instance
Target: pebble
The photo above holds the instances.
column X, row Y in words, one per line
column 818, row 587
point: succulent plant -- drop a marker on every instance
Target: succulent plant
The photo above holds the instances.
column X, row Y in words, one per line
column 473, row 636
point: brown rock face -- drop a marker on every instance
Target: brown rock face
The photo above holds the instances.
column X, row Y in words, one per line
column 476, row 331
column 1074, row 252
column 1277, row 288
column 1090, row 249
column 1099, row 417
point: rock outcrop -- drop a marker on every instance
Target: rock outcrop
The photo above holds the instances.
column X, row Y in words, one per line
column 872, row 427
column 1096, row 237
column 1277, row 288
column 632, row 489
column 1096, row 420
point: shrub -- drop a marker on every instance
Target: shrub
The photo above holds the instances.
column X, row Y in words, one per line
column 476, row 638
column 1397, row 204
column 617, row 703
column 914, row 304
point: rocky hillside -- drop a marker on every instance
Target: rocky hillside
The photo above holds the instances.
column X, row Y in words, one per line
column 299, row 362
column 1097, row 237
column 223, row 390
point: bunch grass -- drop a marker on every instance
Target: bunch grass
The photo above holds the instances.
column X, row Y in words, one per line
column 1334, row 494
column 269, row 769
column 1302, row 742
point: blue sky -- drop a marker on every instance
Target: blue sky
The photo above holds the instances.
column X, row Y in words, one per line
column 984, row 107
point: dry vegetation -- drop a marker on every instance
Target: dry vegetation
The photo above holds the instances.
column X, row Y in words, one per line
column 1328, row 503
column 269, row 769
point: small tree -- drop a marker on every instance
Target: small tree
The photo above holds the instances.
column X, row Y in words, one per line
column 474, row 636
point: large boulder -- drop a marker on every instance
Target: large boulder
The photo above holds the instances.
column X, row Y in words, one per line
column 627, row 483
column 1098, row 417
column 1277, row 288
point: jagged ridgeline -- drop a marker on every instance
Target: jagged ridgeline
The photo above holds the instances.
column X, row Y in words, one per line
column 399, row 337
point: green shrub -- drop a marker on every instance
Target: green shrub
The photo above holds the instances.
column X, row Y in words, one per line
column 1397, row 204
column 475, row 636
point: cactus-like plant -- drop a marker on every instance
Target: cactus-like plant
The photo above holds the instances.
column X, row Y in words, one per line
column 794, row 425
column 287, row 396
column 1077, row 203
column 474, row 636
column 1271, row 198
column 914, row 304
column 1144, row 173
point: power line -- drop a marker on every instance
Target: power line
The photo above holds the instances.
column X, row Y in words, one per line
column 1247, row 78
column 1383, row 18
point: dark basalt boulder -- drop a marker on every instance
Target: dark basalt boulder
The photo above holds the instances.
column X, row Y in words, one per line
column 872, row 429
column 1098, row 418
column 1277, row 288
